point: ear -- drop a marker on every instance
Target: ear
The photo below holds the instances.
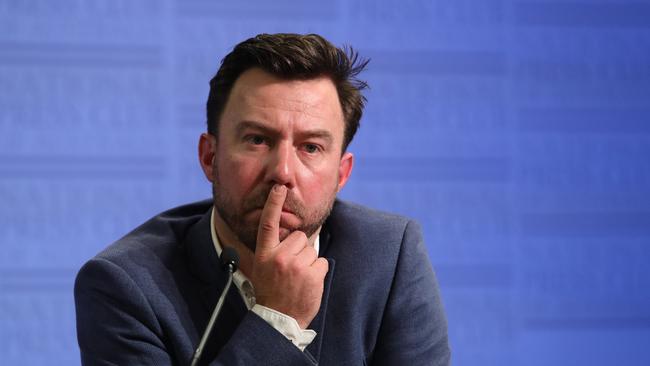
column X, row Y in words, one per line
column 345, row 169
column 207, row 154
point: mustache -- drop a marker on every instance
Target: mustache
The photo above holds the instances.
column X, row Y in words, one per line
column 258, row 200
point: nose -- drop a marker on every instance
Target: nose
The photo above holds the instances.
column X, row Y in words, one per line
column 281, row 165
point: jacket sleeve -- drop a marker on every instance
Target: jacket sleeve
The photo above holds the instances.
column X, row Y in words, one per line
column 255, row 342
column 414, row 326
column 116, row 325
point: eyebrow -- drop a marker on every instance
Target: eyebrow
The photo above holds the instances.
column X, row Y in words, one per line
column 244, row 125
column 315, row 133
column 319, row 134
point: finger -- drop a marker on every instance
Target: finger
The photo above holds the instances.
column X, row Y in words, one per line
column 295, row 242
column 307, row 255
column 321, row 265
column 268, row 233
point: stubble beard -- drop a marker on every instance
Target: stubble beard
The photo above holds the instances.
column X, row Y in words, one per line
column 246, row 230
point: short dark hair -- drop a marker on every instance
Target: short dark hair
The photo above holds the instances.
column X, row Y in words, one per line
column 293, row 57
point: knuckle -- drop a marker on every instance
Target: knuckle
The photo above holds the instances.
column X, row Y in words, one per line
column 296, row 268
column 261, row 257
column 281, row 263
column 274, row 200
column 266, row 226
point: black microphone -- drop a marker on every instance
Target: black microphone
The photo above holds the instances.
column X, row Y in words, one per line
column 230, row 261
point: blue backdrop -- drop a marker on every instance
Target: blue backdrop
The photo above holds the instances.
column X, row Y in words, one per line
column 516, row 132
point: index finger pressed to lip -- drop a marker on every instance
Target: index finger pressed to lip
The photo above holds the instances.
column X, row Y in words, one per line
column 268, row 233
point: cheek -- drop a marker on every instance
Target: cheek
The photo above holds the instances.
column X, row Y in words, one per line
column 239, row 175
column 318, row 186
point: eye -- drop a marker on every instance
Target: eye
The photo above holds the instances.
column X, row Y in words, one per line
column 312, row 148
column 255, row 139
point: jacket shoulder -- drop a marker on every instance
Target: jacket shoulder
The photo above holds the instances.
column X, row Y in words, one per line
column 139, row 288
column 366, row 214
column 149, row 252
column 161, row 233
column 357, row 220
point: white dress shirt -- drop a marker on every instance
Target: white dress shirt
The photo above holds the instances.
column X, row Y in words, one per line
column 283, row 323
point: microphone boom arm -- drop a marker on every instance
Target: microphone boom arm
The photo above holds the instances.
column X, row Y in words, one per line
column 231, row 259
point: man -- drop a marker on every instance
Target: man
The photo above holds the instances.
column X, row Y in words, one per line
column 321, row 281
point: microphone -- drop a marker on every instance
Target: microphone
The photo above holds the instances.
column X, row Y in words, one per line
column 230, row 261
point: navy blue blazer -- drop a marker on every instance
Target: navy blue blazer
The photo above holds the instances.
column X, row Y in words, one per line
column 146, row 299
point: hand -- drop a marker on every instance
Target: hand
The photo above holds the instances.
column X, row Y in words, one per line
column 287, row 275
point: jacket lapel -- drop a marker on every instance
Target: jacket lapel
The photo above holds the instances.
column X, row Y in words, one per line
column 204, row 264
column 318, row 324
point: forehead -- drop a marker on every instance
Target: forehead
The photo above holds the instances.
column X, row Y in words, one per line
column 261, row 96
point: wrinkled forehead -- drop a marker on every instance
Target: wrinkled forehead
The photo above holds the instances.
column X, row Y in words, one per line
column 257, row 93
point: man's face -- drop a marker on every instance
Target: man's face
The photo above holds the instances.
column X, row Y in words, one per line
column 275, row 131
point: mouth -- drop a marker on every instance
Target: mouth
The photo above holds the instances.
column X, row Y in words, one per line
column 285, row 209
column 288, row 222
